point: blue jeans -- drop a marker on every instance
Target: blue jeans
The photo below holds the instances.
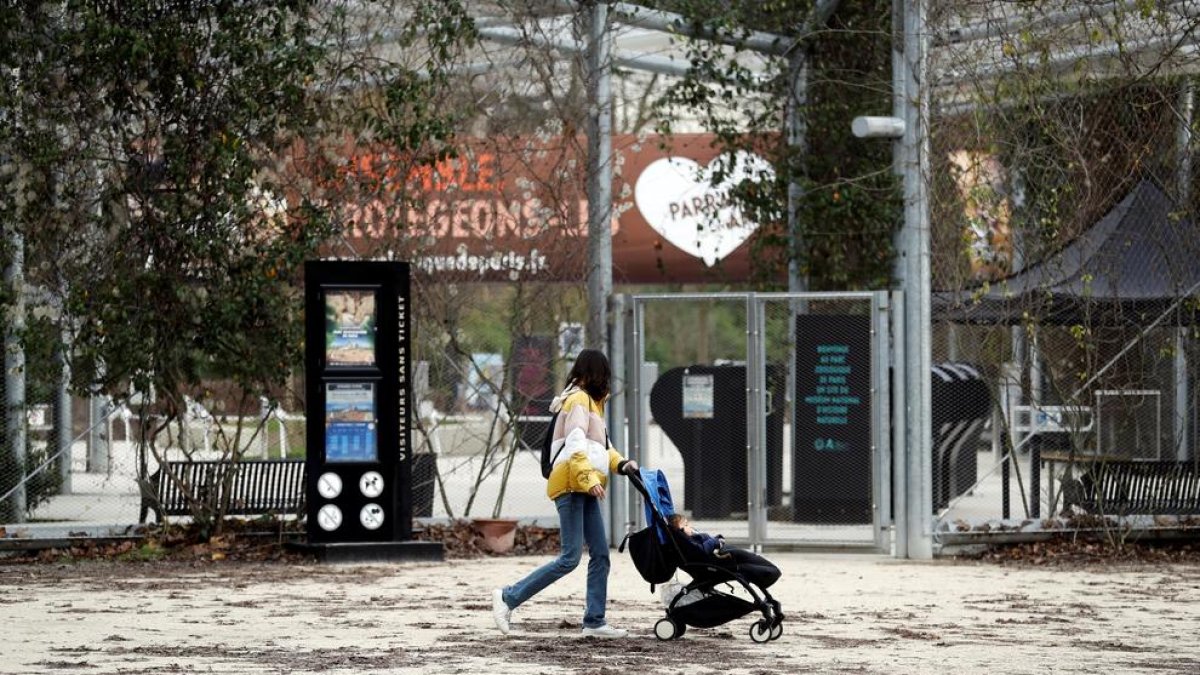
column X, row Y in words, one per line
column 579, row 520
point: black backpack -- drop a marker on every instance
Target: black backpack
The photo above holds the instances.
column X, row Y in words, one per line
column 652, row 562
column 547, row 441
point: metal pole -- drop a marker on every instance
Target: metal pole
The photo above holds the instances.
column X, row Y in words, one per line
column 508, row 35
column 1035, row 447
column 797, row 140
column 599, row 187
column 1187, row 111
column 62, row 411
column 632, row 414
column 900, row 483
column 97, row 441
column 755, row 421
column 618, row 502
column 881, row 464
column 1036, row 377
column 1182, row 451
column 668, row 22
column 760, row 454
column 899, row 429
column 1004, row 24
column 97, row 435
column 1021, row 348
column 913, row 269
column 766, row 406
column 1168, row 43
column 1013, row 376
column 999, row 456
column 638, row 412
column 14, row 372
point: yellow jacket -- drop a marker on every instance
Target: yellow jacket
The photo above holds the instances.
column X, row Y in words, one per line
column 584, row 456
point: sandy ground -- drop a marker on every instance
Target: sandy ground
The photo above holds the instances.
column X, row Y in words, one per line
column 845, row 613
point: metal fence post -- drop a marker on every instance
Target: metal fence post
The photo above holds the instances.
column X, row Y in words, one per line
column 636, row 403
column 765, row 404
column 881, row 423
column 62, row 412
column 913, row 270
column 765, row 407
column 97, row 440
column 1183, row 171
column 755, row 421
column 1182, row 451
column 900, row 484
column 618, row 500
column 14, row 374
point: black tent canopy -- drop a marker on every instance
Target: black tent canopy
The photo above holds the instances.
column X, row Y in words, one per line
column 1126, row 269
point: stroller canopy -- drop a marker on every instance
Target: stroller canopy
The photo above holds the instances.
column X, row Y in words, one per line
column 657, row 499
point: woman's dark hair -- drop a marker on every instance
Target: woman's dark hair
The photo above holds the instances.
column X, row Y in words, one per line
column 591, row 373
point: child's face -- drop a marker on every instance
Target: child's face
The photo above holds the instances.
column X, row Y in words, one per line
column 686, row 526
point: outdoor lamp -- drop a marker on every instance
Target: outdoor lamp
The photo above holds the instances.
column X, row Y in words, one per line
column 877, row 127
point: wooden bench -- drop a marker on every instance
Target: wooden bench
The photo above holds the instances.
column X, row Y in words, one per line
column 259, row 486
column 1132, row 487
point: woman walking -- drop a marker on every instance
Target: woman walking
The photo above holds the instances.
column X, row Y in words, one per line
column 582, row 459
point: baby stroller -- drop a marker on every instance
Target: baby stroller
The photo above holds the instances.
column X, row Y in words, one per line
column 659, row 550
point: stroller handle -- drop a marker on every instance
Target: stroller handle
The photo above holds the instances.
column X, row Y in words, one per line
column 635, row 477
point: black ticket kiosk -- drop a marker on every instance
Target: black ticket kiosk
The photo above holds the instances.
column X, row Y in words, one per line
column 358, row 400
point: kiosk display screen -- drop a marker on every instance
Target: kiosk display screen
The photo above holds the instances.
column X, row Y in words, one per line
column 350, row 422
column 350, row 328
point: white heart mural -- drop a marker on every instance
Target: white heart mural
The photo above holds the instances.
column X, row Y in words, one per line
column 679, row 200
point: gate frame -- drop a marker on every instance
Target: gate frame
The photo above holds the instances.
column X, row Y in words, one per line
column 882, row 321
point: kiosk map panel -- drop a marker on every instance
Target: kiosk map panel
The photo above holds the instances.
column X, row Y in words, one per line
column 358, row 467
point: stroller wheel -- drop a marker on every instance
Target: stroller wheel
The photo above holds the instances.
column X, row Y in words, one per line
column 666, row 629
column 776, row 631
column 760, row 631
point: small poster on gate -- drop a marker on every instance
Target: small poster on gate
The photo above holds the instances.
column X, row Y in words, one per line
column 698, row 396
column 350, row 423
column 350, row 328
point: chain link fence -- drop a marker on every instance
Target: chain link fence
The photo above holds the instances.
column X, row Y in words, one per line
column 692, row 393
column 1064, row 242
column 824, row 363
column 97, row 473
column 767, row 413
column 32, row 471
column 1064, row 245
column 482, row 391
column 1023, row 419
column 481, row 399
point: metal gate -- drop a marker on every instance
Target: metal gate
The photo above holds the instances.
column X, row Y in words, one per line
column 769, row 414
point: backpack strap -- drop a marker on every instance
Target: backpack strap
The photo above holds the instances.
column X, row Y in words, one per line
column 621, row 548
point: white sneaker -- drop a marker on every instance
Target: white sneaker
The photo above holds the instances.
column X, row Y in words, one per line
column 500, row 611
column 605, row 631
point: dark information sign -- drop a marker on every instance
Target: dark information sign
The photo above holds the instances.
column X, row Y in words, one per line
column 359, row 465
column 832, row 432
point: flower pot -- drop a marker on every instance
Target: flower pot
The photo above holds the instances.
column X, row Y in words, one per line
column 499, row 534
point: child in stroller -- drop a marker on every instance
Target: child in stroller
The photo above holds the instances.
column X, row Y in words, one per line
column 660, row 549
column 757, row 569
